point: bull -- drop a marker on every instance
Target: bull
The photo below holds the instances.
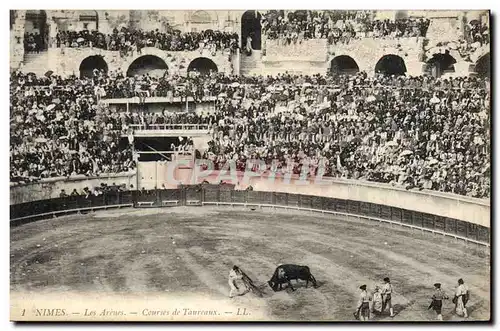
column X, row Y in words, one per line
column 286, row 272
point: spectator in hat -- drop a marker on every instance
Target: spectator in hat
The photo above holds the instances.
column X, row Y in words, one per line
column 86, row 192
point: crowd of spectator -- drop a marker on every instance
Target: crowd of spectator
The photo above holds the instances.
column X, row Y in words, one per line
column 399, row 28
column 415, row 132
column 129, row 41
column 62, row 131
column 96, row 191
column 32, row 42
column 114, row 84
column 476, row 35
column 477, row 32
column 337, row 26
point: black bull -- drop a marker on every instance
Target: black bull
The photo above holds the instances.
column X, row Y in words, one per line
column 286, row 272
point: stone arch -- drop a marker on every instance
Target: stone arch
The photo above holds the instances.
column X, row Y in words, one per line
column 251, row 26
column 483, row 66
column 201, row 16
column 450, row 48
column 89, row 16
column 391, row 64
column 146, row 64
column 441, row 63
column 343, row 65
column 90, row 63
column 202, row 20
column 202, row 65
column 479, row 53
column 36, row 23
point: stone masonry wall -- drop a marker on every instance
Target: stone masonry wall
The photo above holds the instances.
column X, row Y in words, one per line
column 17, row 39
column 367, row 52
column 313, row 50
column 66, row 61
column 312, row 56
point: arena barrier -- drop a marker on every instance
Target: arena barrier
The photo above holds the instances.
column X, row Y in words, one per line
column 200, row 195
column 50, row 188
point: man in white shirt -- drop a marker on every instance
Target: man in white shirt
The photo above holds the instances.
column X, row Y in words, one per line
column 461, row 298
column 387, row 296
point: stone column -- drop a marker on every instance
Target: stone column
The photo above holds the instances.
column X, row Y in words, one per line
column 463, row 22
column 462, row 68
column 53, row 29
column 17, row 40
column 414, row 68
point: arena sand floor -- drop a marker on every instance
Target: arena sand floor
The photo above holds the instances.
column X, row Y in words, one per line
column 189, row 251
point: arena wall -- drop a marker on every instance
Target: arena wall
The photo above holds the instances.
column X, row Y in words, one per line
column 315, row 56
column 66, row 61
column 463, row 208
column 310, row 57
column 226, row 195
column 443, row 204
column 51, row 188
column 312, row 50
column 368, row 51
column 454, row 206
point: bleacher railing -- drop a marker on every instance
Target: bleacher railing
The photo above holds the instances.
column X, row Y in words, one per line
column 201, row 195
column 136, row 127
column 396, row 85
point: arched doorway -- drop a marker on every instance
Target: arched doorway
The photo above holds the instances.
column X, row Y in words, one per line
column 391, row 65
column 90, row 63
column 483, row 66
column 343, row 65
column 35, row 28
column 147, row 64
column 250, row 26
column 440, row 64
column 203, row 66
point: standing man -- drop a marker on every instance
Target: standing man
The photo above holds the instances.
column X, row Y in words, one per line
column 234, row 275
column 248, row 45
column 461, row 298
column 437, row 300
column 387, row 296
column 363, row 308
